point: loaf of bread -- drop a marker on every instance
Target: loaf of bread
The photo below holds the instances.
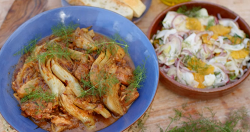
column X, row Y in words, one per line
column 113, row 5
column 137, row 6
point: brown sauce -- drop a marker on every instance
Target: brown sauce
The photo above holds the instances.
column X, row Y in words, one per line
column 101, row 122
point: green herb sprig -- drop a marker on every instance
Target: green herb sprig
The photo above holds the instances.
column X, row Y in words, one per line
column 232, row 76
column 53, row 50
column 38, row 93
column 27, row 48
column 110, row 45
column 105, row 80
column 210, row 24
column 188, row 12
column 209, row 124
column 195, row 64
column 141, row 125
column 139, row 76
column 63, row 31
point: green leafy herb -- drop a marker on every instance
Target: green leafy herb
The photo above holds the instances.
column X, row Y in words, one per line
column 141, row 126
column 63, row 31
column 139, row 76
column 232, row 76
column 117, row 38
column 110, row 45
column 188, row 12
column 182, row 9
column 209, row 124
column 195, row 64
column 210, row 23
column 53, row 50
column 178, row 115
column 106, row 80
column 216, row 73
column 175, row 78
column 237, row 36
column 38, row 93
column 27, row 48
column 247, row 35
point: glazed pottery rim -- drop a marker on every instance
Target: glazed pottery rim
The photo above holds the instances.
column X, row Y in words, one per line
column 189, row 88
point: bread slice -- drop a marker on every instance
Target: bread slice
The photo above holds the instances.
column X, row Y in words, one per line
column 112, row 5
column 137, row 6
column 75, row 2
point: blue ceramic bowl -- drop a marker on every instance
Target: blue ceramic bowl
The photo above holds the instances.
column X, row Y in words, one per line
column 147, row 3
column 103, row 21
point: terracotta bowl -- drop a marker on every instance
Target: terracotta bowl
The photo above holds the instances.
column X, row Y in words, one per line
column 213, row 9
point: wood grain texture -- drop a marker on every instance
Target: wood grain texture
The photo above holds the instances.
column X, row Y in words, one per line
column 4, row 8
column 20, row 11
column 165, row 100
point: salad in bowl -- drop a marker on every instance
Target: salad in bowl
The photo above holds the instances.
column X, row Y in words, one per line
column 201, row 50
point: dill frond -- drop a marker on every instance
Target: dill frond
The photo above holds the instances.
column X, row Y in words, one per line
column 63, row 31
column 106, row 81
column 89, row 89
column 53, row 50
column 141, row 125
column 139, row 76
column 209, row 124
column 38, row 93
column 188, row 12
column 195, row 64
column 247, row 35
column 110, row 45
column 121, row 42
column 182, row 9
column 232, row 76
column 209, row 24
column 27, row 48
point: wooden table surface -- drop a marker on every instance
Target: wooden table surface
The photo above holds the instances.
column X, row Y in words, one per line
column 166, row 101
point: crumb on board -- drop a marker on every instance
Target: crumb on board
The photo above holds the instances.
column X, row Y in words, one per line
column 139, row 125
column 4, row 126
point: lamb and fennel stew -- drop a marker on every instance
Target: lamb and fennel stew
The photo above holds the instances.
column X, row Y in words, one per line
column 75, row 80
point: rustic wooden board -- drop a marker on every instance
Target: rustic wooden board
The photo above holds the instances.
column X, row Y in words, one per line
column 20, row 11
column 165, row 101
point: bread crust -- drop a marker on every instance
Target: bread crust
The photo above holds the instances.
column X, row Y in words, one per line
column 113, row 5
column 137, row 6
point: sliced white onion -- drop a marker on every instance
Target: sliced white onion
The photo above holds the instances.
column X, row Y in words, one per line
column 224, row 82
column 219, row 16
column 178, row 70
column 179, row 15
column 236, row 19
column 198, row 35
column 241, row 73
column 164, row 69
column 222, row 67
column 216, row 20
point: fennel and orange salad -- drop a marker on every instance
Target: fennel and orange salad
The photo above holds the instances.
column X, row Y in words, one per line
column 201, row 50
